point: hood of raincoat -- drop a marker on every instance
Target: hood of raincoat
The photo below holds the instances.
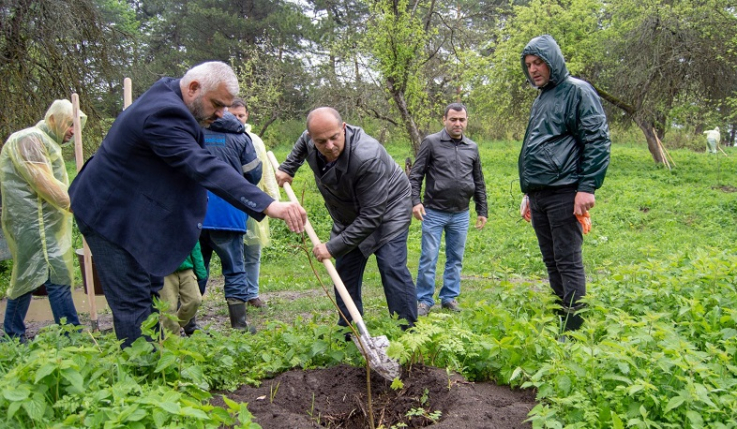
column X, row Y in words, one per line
column 548, row 50
column 566, row 143
column 227, row 124
column 35, row 213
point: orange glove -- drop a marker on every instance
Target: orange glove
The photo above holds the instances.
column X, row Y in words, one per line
column 585, row 221
column 524, row 208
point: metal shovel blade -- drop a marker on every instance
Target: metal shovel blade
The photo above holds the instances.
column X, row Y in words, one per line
column 375, row 354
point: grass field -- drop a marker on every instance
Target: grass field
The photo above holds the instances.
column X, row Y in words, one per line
column 643, row 212
column 657, row 350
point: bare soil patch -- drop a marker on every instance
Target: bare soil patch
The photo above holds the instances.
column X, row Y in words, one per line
column 337, row 398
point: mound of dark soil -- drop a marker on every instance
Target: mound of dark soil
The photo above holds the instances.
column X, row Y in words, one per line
column 337, row 398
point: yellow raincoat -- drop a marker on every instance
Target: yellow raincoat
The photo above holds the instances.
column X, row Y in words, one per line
column 258, row 232
column 35, row 216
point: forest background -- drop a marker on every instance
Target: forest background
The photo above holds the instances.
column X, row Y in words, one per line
column 664, row 68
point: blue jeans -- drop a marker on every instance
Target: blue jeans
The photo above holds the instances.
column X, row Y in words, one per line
column 455, row 226
column 129, row 289
column 395, row 277
column 560, row 237
column 60, row 300
column 252, row 260
column 229, row 247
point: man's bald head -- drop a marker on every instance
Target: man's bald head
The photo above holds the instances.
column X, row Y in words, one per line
column 327, row 131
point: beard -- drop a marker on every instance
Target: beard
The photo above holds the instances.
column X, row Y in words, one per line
column 197, row 109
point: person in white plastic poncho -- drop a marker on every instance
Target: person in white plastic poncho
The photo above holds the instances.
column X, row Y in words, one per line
column 36, row 219
column 712, row 140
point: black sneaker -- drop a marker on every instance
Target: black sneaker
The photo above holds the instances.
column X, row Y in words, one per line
column 191, row 327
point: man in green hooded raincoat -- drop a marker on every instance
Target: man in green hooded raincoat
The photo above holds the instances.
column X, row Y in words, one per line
column 36, row 219
column 563, row 161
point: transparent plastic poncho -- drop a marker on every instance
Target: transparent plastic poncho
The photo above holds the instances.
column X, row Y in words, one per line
column 35, row 203
column 258, row 232
column 712, row 139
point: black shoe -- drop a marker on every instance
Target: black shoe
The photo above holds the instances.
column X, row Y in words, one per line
column 451, row 305
column 423, row 309
column 191, row 327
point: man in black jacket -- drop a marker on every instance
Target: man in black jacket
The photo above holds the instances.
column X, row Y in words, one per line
column 368, row 196
column 452, row 165
column 563, row 160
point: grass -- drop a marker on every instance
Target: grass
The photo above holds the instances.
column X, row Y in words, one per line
column 643, row 211
column 658, row 348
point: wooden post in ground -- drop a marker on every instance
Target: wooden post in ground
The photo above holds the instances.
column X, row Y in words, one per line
column 127, row 92
column 79, row 158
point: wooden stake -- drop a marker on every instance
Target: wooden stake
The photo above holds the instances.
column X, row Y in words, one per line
column 88, row 276
column 661, row 149
column 127, row 92
column 667, row 153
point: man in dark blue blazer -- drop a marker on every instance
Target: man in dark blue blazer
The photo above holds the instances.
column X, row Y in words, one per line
column 141, row 199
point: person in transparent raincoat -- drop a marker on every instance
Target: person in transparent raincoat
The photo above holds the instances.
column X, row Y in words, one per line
column 712, row 140
column 36, row 219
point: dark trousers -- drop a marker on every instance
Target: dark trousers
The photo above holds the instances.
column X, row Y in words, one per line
column 391, row 258
column 129, row 289
column 560, row 238
column 62, row 306
column 228, row 245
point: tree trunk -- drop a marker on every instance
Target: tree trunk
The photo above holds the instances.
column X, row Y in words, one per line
column 409, row 121
column 271, row 120
column 652, row 139
column 648, row 127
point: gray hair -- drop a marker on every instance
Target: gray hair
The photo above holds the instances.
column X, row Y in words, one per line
column 210, row 75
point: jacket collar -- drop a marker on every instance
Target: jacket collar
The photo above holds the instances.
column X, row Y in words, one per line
column 444, row 136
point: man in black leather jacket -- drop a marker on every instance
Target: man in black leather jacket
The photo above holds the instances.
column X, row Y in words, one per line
column 564, row 158
column 368, row 197
column 450, row 164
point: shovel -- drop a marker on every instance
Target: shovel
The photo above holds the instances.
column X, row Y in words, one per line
column 372, row 348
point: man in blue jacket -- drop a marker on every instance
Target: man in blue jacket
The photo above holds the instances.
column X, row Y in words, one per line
column 140, row 200
column 564, row 158
column 225, row 225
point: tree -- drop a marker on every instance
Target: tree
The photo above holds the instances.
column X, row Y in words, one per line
column 50, row 49
column 261, row 39
column 665, row 55
column 644, row 58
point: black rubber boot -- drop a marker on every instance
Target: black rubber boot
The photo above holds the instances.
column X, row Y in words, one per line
column 237, row 311
column 572, row 321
